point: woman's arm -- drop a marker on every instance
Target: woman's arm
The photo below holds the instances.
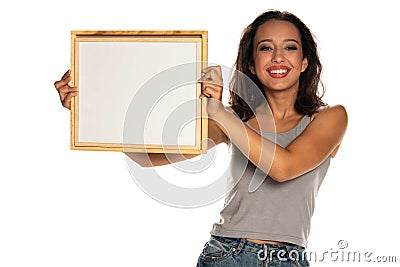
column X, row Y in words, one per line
column 215, row 137
column 318, row 141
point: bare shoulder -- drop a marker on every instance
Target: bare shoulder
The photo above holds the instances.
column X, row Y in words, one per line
column 332, row 120
column 336, row 113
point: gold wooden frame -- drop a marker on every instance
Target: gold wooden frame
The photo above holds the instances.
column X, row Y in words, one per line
column 201, row 131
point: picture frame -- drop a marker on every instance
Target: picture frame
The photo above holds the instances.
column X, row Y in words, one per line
column 138, row 91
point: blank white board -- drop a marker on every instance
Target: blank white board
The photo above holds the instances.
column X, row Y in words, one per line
column 138, row 91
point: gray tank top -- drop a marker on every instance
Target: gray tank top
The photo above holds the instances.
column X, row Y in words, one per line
column 275, row 211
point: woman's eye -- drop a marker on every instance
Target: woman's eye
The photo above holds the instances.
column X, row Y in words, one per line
column 265, row 48
column 291, row 48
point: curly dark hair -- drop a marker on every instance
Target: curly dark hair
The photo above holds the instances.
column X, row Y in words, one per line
column 308, row 99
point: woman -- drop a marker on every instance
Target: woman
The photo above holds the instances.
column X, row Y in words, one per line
column 266, row 224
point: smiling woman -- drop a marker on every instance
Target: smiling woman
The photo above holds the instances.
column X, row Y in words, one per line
column 279, row 54
column 282, row 135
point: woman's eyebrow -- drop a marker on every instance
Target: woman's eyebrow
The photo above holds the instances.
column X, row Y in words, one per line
column 270, row 40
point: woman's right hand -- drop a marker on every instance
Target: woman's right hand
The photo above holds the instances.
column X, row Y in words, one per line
column 211, row 88
column 65, row 91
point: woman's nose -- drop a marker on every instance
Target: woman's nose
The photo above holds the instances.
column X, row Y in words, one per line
column 278, row 57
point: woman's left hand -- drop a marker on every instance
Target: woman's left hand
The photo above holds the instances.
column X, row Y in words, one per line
column 211, row 88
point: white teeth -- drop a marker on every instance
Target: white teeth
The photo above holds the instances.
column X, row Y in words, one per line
column 280, row 71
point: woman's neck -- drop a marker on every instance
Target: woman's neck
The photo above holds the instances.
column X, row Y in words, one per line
column 282, row 104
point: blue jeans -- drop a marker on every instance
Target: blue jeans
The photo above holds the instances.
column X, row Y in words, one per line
column 236, row 252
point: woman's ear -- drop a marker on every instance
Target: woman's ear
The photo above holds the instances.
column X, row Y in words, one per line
column 252, row 69
column 304, row 64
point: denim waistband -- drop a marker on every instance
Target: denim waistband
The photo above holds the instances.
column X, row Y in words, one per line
column 244, row 244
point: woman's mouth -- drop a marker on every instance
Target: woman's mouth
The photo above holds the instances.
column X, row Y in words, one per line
column 278, row 71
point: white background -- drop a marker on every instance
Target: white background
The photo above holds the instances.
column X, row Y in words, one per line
column 76, row 208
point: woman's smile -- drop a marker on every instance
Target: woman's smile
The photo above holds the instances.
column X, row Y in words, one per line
column 278, row 72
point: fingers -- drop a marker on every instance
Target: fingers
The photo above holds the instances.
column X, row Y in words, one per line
column 217, row 69
column 65, row 91
column 211, row 82
column 67, row 74
column 65, row 79
column 212, row 74
column 63, row 87
column 66, row 102
column 210, row 90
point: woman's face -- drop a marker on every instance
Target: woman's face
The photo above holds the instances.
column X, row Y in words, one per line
column 278, row 55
